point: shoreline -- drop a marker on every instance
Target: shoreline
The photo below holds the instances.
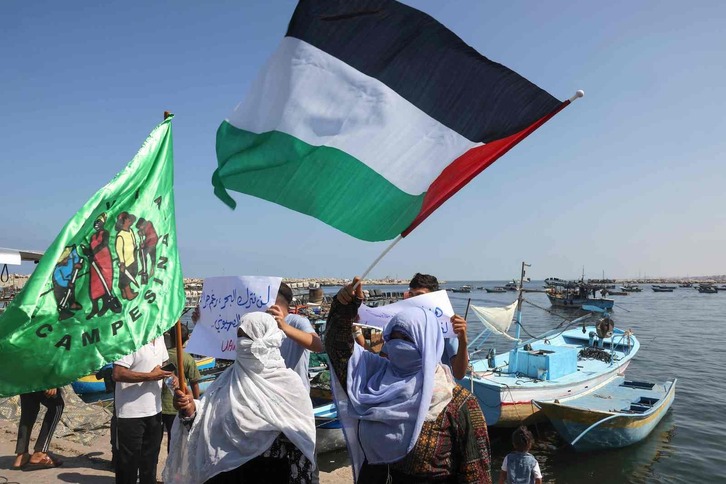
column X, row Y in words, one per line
column 91, row 463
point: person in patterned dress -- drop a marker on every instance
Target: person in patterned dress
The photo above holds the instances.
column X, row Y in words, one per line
column 404, row 418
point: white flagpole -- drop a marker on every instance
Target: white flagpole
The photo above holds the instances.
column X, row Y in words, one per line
column 370, row 268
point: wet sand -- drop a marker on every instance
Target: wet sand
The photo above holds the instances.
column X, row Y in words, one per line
column 91, row 464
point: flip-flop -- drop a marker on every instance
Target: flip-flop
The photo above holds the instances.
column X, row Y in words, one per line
column 47, row 462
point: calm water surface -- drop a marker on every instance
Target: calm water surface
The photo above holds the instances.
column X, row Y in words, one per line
column 682, row 335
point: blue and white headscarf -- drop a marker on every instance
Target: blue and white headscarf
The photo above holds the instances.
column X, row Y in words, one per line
column 388, row 399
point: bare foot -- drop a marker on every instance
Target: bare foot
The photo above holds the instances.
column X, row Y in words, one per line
column 21, row 460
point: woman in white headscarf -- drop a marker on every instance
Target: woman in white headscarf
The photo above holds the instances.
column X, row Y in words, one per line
column 404, row 418
column 255, row 422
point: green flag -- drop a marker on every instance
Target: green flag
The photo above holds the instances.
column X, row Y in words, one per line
column 109, row 283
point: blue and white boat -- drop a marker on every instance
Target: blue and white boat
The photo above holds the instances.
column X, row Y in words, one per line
column 616, row 414
column 560, row 363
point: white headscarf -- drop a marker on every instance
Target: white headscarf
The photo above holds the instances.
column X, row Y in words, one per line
column 244, row 410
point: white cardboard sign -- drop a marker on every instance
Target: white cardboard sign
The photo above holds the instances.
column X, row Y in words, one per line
column 224, row 301
column 437, row 303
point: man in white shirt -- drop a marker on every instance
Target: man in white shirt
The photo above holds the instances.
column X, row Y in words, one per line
column 137, row 396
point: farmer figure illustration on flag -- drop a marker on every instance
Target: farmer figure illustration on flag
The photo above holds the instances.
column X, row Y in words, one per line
column 101, row 271
column 64, row 282
column 148, row 239
column 126, row 249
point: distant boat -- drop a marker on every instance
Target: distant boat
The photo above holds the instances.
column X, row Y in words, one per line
column 662, row 289
column 617, row 414
column 617, row 293
column 630, row 288
column 461, row 289
column 572, row 300
column 495, row 289
column 707, row 289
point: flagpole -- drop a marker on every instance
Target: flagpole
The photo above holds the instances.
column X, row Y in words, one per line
column 378, row 259
column 180, row 358
column 178, row 342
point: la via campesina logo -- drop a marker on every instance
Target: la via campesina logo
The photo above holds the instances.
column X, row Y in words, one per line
column 104, row 273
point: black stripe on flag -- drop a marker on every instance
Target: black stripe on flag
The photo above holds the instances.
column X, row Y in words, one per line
column 425, row 63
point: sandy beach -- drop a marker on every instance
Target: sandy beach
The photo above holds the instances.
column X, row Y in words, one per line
column 91, row 463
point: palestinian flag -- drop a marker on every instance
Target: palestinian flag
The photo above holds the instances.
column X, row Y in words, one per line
column 370, row 115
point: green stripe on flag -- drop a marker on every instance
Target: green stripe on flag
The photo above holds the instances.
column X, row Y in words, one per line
column 323, row 182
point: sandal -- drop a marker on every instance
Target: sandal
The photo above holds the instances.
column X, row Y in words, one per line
column 23, row 463
column 47, row 462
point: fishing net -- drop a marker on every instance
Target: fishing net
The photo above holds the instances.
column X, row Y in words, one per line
column 81, row 422
column 595, row 354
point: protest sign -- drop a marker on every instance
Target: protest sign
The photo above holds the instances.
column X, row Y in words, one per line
column 436, row 302
column 224, row 301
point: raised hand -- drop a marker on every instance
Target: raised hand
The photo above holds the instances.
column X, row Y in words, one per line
column 459, row 325
column 349, row 292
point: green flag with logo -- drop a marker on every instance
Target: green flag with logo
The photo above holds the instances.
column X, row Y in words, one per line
column 109, row 283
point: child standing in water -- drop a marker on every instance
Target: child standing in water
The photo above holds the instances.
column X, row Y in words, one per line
column 520, row 467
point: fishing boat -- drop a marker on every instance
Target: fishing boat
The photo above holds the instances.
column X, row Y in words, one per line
column 92, row 384
column 560, row 363
column 577, row 299
column 616, row 414
column 617, row 293
column 662, row 289
column 630, row 288
column 461, row 289
column 707, row 289
column 575, row 294
column 498, row 289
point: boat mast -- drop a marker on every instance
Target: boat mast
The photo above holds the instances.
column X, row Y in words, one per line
column 513, row 364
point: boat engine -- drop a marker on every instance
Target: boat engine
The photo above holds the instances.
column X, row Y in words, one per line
column 605, row 327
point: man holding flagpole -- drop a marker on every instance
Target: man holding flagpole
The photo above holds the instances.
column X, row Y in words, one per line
column 137, row 399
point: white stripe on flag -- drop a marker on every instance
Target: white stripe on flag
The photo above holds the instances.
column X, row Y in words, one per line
column 317, row 98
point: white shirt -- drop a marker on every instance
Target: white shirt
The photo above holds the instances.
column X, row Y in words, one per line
column 135, row 400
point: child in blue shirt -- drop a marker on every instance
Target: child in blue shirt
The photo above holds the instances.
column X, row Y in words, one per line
column 520, row 467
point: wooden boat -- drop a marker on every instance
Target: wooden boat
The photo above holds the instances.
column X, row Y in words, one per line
column 560, row 363
column 616, row 414
column 573, row 300
column 630, row 288
column 91, row 384
column 662, row 289
column 461, row 289
column 617, row 293
column 707, row 289
column 556, row 365
column 495, row 289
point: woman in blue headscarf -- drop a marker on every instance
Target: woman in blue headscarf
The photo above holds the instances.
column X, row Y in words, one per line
column 404, row 418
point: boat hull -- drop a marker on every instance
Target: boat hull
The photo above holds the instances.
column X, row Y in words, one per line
column 511, row 407
column 506, row 399
column 619, row 431
column 577, row 302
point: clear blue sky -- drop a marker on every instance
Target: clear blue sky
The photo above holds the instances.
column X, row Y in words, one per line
column 628, row 180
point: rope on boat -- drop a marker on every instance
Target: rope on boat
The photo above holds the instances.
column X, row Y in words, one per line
column 548, row 311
